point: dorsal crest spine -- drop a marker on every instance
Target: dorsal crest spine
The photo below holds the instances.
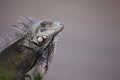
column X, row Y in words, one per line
column 24, row 24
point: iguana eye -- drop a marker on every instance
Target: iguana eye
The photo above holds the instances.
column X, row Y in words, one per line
column 40, row 39
column 43, row 24
column 46, row 24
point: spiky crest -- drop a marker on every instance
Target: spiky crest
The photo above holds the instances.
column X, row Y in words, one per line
column 13, row 37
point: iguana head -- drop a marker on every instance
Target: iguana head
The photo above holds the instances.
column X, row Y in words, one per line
column 40, row 37
column 45, row 31
column 38, row 34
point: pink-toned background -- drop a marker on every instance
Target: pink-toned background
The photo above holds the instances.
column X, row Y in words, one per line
column 89, row 47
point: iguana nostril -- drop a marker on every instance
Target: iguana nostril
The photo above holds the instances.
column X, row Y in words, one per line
column 60, row 23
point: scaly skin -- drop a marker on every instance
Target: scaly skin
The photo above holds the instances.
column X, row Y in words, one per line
column 33, row 47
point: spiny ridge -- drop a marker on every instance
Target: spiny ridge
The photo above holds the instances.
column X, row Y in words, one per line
column 19, row 31
column 27, row 21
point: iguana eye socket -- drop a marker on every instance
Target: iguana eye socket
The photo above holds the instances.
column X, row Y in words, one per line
column 40, row 39
column 46, row 24
column 43, row 24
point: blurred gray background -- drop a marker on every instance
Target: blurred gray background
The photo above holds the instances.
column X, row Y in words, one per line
column 89, row 47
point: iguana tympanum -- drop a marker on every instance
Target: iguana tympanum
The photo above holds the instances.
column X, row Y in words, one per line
column 29, row 50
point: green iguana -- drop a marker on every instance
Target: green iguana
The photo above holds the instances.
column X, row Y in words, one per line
column 28, row 51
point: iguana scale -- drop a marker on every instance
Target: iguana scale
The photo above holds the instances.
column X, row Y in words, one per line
column 28, row 50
